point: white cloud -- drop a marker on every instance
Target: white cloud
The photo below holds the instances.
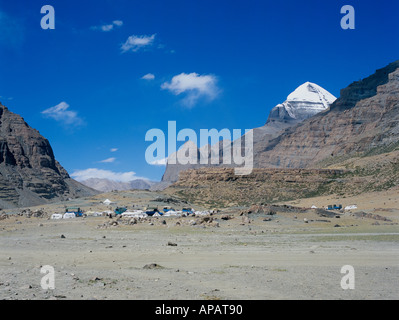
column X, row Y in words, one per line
column 135, row 43
column 194, row 85
column 81, row 175
column 108, row 27
column 109, row 160
column 61, row 113
column 148, row 76
column 113, row 149
column 161, row 162
column 118, row 23
column 6, row 98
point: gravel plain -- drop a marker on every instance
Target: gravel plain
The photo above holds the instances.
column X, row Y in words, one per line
column 243, row 257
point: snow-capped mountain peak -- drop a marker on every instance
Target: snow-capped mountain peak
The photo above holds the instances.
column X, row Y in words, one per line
column 304, row 102
column 312, row 92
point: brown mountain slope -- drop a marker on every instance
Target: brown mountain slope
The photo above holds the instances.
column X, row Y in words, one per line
column 349, row 128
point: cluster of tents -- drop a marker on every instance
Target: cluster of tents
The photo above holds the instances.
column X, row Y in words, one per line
column 339, row 207
column 66, row 215
column 168, row 213
column 71, row 213
column 154, row 212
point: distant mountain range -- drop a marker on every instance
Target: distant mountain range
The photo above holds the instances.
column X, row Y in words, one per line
column 106, row 185
column 304, row 102
column 350, row 148
column 311, row 129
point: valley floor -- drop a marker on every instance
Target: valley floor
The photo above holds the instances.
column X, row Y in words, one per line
column 238, row 258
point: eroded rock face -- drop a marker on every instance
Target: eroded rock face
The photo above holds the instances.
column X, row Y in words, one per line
column 221, row 187
column 29, row 173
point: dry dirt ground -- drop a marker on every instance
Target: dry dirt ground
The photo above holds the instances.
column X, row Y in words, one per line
column 284, row 258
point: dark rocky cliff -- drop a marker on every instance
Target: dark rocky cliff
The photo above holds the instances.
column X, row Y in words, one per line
column 29, row 172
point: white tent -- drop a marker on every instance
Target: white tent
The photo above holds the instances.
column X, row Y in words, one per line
column 134, row 214
column 170, row 213
column 351, row 207
column 56, row 216
column 69, row 215
column 107, row 202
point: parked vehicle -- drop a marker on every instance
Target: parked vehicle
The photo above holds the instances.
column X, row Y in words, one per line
column 77, row 211
column 334, row 207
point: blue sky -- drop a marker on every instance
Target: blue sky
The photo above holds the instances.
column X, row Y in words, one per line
column 112, row 70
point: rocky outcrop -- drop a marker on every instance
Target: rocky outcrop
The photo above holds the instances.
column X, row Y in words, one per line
column 29, row 173
column 363, row 89
column 221, row 187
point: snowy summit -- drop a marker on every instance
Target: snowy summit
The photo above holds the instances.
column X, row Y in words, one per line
column 311, row 92
column 304, row 102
